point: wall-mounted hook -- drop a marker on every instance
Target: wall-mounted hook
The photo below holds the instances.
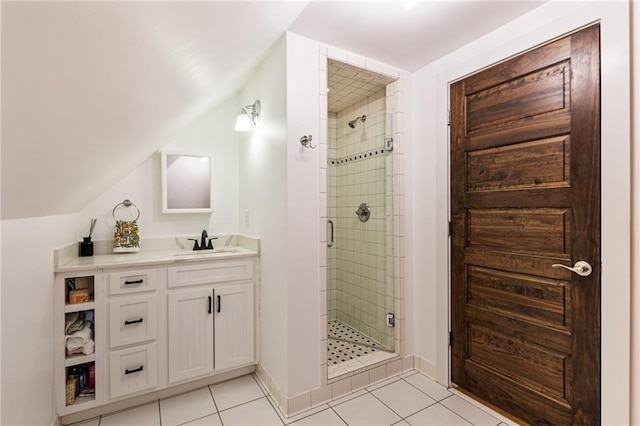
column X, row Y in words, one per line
column 306, row 141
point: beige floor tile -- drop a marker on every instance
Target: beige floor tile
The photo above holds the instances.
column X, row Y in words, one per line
column 186, row 407
column 235, row 392
column 254, row 413
column 326, row 417
column 436, row 415
column 469, row 411
column 146, row 415
column 428, row 386
column 403, row 398
column 212, row 420
column 366, row 411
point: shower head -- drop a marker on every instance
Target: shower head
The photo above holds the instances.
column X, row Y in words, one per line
column 352, row 123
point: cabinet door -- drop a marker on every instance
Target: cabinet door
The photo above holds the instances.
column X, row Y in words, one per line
column 234, row 326
column 190, row 334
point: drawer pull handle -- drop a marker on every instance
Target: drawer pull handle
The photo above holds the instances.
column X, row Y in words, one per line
column 135, row 370
column 219, row 303
column 209, row 309
column 133, row 282
column 127, row 322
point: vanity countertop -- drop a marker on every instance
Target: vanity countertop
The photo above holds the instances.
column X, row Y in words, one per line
column 160, row 251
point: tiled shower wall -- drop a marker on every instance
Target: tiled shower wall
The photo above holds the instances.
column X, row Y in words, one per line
column 360, row 264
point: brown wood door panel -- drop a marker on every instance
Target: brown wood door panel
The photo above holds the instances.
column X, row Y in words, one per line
column 542, row 57
column 536, row 334
column 543, row 163
column 508, row 394
column 541, row 301
column 525, row 182
column 521, row 262
column 529, row 129
column 533, row 366
column 526, row 230
column 544, row 91
column 534, row 197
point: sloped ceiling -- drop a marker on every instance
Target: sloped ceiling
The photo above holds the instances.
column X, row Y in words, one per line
column 92, row 89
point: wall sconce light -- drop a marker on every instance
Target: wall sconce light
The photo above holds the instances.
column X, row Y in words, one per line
column 248, row 117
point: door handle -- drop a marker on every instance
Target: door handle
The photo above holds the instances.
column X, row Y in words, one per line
column 581, row 268
column 219, row 303
column 330, row 243
column 209, row 308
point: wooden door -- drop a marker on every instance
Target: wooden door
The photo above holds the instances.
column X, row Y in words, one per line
column 525, row 194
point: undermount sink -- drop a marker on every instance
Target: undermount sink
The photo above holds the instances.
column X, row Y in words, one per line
column 204, row 253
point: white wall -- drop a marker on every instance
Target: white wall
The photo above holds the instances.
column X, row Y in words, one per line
column 303, row 247
column 263, row 202
column 430, row 188
column 27, row 322
column 211, row 134
column 27, row 257
column 635, row 290
column 279, row 184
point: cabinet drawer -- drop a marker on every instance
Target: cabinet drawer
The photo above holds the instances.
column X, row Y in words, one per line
column 132, row 321
column 133, row 370
column 207, row 273
column 121, row 282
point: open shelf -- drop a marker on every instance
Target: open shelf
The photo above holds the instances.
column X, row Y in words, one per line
column 80, row 373
column 78, row 307
column 81, row 284
column 73, row 360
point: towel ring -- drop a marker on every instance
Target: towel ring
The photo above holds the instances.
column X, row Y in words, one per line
column 126, row 203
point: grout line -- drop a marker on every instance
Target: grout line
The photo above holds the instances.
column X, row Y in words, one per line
column 258, row 383
column 276, row 409
column 241, row 404
column 214, row 400
column 345, row 422
column 459, row 415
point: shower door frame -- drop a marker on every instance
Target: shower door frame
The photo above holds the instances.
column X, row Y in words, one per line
column 394, row 108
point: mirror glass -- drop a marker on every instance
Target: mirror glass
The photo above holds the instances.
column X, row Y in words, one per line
column 186, row 183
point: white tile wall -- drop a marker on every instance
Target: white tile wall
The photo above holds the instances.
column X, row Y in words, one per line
column 388, row 244
column 361, row 172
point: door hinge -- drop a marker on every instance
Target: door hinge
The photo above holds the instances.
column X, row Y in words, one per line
column 449, row 229
column 451, row 338
column 390, row 320
column 448, row 117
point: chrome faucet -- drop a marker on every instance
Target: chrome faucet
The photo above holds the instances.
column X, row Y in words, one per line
column 203, row 242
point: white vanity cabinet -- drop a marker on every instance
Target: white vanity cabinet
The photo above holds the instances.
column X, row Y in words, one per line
column 211, row 318
column 154, row 324
column 76, row 374
column 133, row 329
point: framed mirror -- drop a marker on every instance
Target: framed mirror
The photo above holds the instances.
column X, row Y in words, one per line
column 186, row 183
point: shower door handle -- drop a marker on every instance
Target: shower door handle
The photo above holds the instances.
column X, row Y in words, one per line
column 330, row 242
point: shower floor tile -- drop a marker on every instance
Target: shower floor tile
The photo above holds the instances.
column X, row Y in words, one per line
column 341, row 331
column 344, row 355
column 340, row 351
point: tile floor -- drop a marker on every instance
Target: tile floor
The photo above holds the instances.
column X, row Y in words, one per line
column 341, row 331
column 407, row 399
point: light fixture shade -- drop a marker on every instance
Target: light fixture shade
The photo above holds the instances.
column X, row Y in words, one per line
column 243, row 122
column 248, row 117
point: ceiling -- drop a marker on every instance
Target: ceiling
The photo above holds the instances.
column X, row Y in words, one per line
column 90, row 90
column 348, row 85
column 405, row 34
